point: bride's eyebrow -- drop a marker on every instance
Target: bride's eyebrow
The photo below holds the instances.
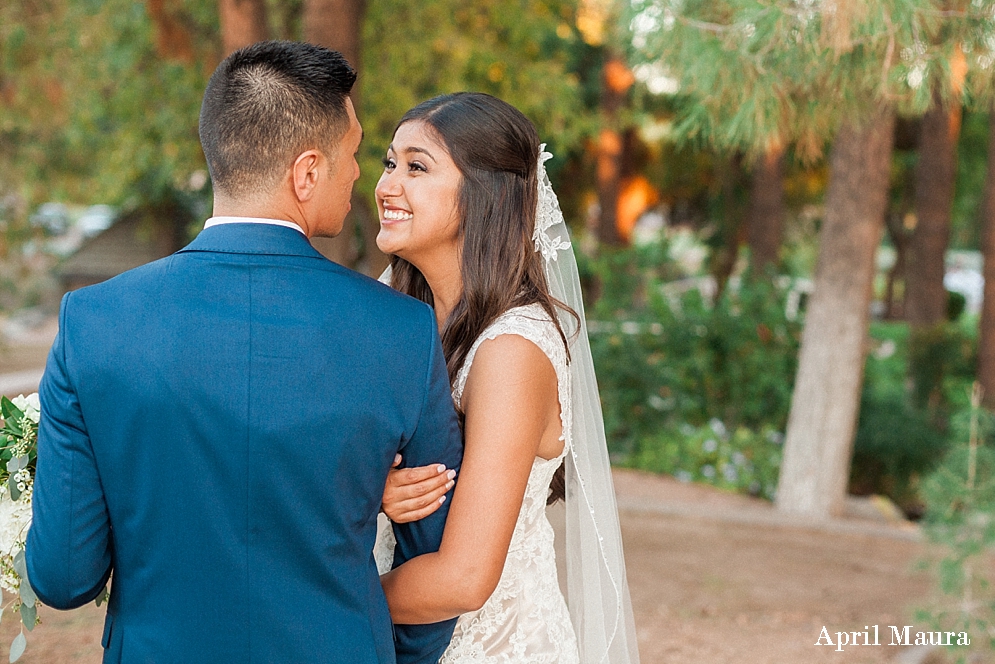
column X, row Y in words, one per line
column 420, row 151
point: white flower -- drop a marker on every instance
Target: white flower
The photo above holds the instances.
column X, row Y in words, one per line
column 15, row 519
column 29, row 405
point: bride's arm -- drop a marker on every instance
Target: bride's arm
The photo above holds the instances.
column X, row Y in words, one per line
column 510, row 401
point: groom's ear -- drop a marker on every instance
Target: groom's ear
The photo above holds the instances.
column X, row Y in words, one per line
column 306, row 173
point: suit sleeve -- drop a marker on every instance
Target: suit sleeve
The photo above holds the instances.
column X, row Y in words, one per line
column 69, row 545
column 437, row 439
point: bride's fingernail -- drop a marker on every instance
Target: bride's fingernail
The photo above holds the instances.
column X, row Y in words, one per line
column 449, row 485
column 440, row 468
column 451, row 474
column 442, row 500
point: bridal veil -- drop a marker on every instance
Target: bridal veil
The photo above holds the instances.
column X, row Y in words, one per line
column 597, row 591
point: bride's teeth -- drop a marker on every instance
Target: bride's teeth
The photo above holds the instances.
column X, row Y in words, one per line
column 397, row 215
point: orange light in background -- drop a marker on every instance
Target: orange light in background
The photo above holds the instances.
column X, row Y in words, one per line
column 609, row 149
column 592, row 15
column 618, row 77
column 637, row 196
column 958, row 73
column 958, row 70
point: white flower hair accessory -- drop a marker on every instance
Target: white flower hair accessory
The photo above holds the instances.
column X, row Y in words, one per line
column 548, row 213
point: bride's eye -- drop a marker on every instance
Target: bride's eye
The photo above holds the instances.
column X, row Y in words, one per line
column 417, row 166
column 388, row 164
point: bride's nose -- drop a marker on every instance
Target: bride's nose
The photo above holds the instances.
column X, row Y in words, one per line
column 387, row 187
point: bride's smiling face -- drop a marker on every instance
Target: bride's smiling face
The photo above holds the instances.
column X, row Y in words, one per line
column 416, row 197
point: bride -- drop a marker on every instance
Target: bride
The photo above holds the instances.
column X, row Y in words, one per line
column 474, row 230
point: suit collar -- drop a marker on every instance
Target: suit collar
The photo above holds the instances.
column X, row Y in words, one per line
column 264, row 239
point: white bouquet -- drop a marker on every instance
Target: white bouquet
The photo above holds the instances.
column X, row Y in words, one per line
column 18, row 454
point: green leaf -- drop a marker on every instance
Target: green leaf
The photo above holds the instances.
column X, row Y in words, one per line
column 11, row 413
column 9, row 410
column 13, row 427
column 29, row 616
column 21, row 565
column 15, row 493
column 27, row 593
column 17, row 647
column 103, row 596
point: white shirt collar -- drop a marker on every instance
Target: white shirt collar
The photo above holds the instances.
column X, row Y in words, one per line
column 218, row 221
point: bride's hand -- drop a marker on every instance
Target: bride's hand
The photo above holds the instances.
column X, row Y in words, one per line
column 414, row 493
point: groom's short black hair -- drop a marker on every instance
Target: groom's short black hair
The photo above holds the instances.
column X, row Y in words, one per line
column 267, row 103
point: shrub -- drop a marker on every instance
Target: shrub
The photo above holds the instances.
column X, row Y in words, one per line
column 960, row 519
column 903, row 432
column 671, row 365
column 741, row 460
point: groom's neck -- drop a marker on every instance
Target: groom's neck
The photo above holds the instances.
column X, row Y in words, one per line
column 225, row 206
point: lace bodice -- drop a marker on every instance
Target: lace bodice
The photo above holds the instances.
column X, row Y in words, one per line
column 525, row 621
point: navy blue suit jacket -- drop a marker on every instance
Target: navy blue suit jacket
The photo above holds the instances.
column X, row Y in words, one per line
column 217, row 428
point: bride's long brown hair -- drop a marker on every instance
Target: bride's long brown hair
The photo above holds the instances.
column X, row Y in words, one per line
column 496, row 149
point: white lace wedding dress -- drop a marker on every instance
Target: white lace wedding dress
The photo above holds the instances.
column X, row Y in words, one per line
column 526, row 620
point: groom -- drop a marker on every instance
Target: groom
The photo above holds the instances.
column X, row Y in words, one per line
column 217, row 426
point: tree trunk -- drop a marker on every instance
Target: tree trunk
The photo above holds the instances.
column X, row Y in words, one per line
column 616, row 81
column 986, row 344
column 826, row 398
column 609, row 175
column 765, row 211
column 731, row 230
column 172, row 38
column 893, row 306
column 338, row 25
column 925, row 296
column 243, row 22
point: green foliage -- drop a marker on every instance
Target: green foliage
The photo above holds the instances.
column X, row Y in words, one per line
column 756, row 73
column 667, row 360
column 99, row 107
column 896, row 442
column 961, row 504
column 903, row 433
column 972, row 168
column 743, row 460
column 936, row 353
column 519, row 50
column 18, row 448
column 95, row 113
